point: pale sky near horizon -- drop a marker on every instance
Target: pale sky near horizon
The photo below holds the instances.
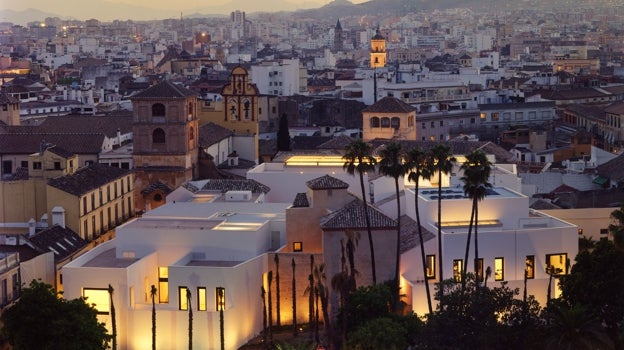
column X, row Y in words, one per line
column 153, row 9
column 38, row 4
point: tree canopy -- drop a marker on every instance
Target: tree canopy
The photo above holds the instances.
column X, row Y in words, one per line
column 43, row 320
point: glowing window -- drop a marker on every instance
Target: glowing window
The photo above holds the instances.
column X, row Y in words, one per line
column 530, row 267
column 458, row 266
column 479, row 269
column 431, row 267
column 99, row 298
column 297, row 246
column 201, row 299
column 499, row 269
column 182, row 298
column 557, row 264
column 163, row 284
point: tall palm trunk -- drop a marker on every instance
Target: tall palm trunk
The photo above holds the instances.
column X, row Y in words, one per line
column 190, row 319
column 368, row 229
column 265, row 343
column 470, row 225
column 270, row 278
column 113, row 316
column 294, row 298
column 476, row 235
column 397, row 282
column 422, row 248
column 440, row 257
column 153, row 293
column 277, row 291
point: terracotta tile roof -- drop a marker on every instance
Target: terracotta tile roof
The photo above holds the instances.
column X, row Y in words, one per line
column 409, row 234
column 326, row 182
column 389, row 104
column 457, row 147
column 225, row 185
column 572, row 94
column 211, row 133
column 596, row 112
column 87, row 178
column 613, row 169
column 351, row 216
column 7, row 99
column 338, row 142
column 165, row 89
column 60, row 152
column 301, row 201
column 615, row 108
column 308, row 142
column 28, row 143
column 157, row 186
column 63, row 242
column 107, row 125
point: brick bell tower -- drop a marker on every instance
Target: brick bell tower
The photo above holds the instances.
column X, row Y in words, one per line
column 165, row 135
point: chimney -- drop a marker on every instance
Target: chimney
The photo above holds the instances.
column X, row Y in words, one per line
column 58, row 216
column 31, row 227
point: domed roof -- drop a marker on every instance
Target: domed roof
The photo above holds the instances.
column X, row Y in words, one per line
column 378, row 35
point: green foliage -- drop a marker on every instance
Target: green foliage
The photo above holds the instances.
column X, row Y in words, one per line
column 283, row 135
column 42, row 320
column 575, row 328
column 379, row 333
column 368, row 303
column 596, row 281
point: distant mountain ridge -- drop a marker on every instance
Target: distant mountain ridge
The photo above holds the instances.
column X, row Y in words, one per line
column 107, row 11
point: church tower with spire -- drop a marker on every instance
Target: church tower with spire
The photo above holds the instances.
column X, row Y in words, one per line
column 378, row 50
column 338, row 37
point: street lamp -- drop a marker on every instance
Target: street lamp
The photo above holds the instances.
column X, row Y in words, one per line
column 220, row 306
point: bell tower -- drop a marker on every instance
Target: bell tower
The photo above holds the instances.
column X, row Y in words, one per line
column 378, row 50
column 165, row 148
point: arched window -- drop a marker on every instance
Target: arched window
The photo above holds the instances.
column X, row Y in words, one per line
column 158, row 110
column 374, row 122
column 190, row 108
column 395, row 122
column 191, row 134
column 385, row 122
column 158, row 136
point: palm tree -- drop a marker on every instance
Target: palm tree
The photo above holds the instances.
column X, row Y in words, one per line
column 113, row 318
column 277, row 290
column 617, row 228
column 264, row 318
column 153, row 295
column 391, row 164
column 270, row 279
column 323, row 293
column 359, row 158
column 416, row 161
column 190, row 318
column 477, row 169
column 294, row 298
column 441, row 161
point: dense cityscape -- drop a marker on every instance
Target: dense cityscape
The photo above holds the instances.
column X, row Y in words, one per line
column 390, row 174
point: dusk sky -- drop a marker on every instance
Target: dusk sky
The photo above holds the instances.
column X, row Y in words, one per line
column 154, row 9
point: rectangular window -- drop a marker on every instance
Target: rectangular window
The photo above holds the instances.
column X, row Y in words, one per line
column 499, row 269
column 182, row 298
column 131, row 297
column 495, row 117
column 24, row 164
column 433, row 124
column 57, row 165
column 37, row 165
column 201, row 299
column 483, row 115
column 506, row 116
column 423, row 125
column 431, row 267
column 557, row 264
column 604, row 231
column 297, row 246
column 163, row 284
column 519, row 115
column 530, row 267
column 479, row 269
column 99, row 298
column 458, row 266
column 220, row 299
column 473, row 121
column 532, row 115
column 441, row 122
